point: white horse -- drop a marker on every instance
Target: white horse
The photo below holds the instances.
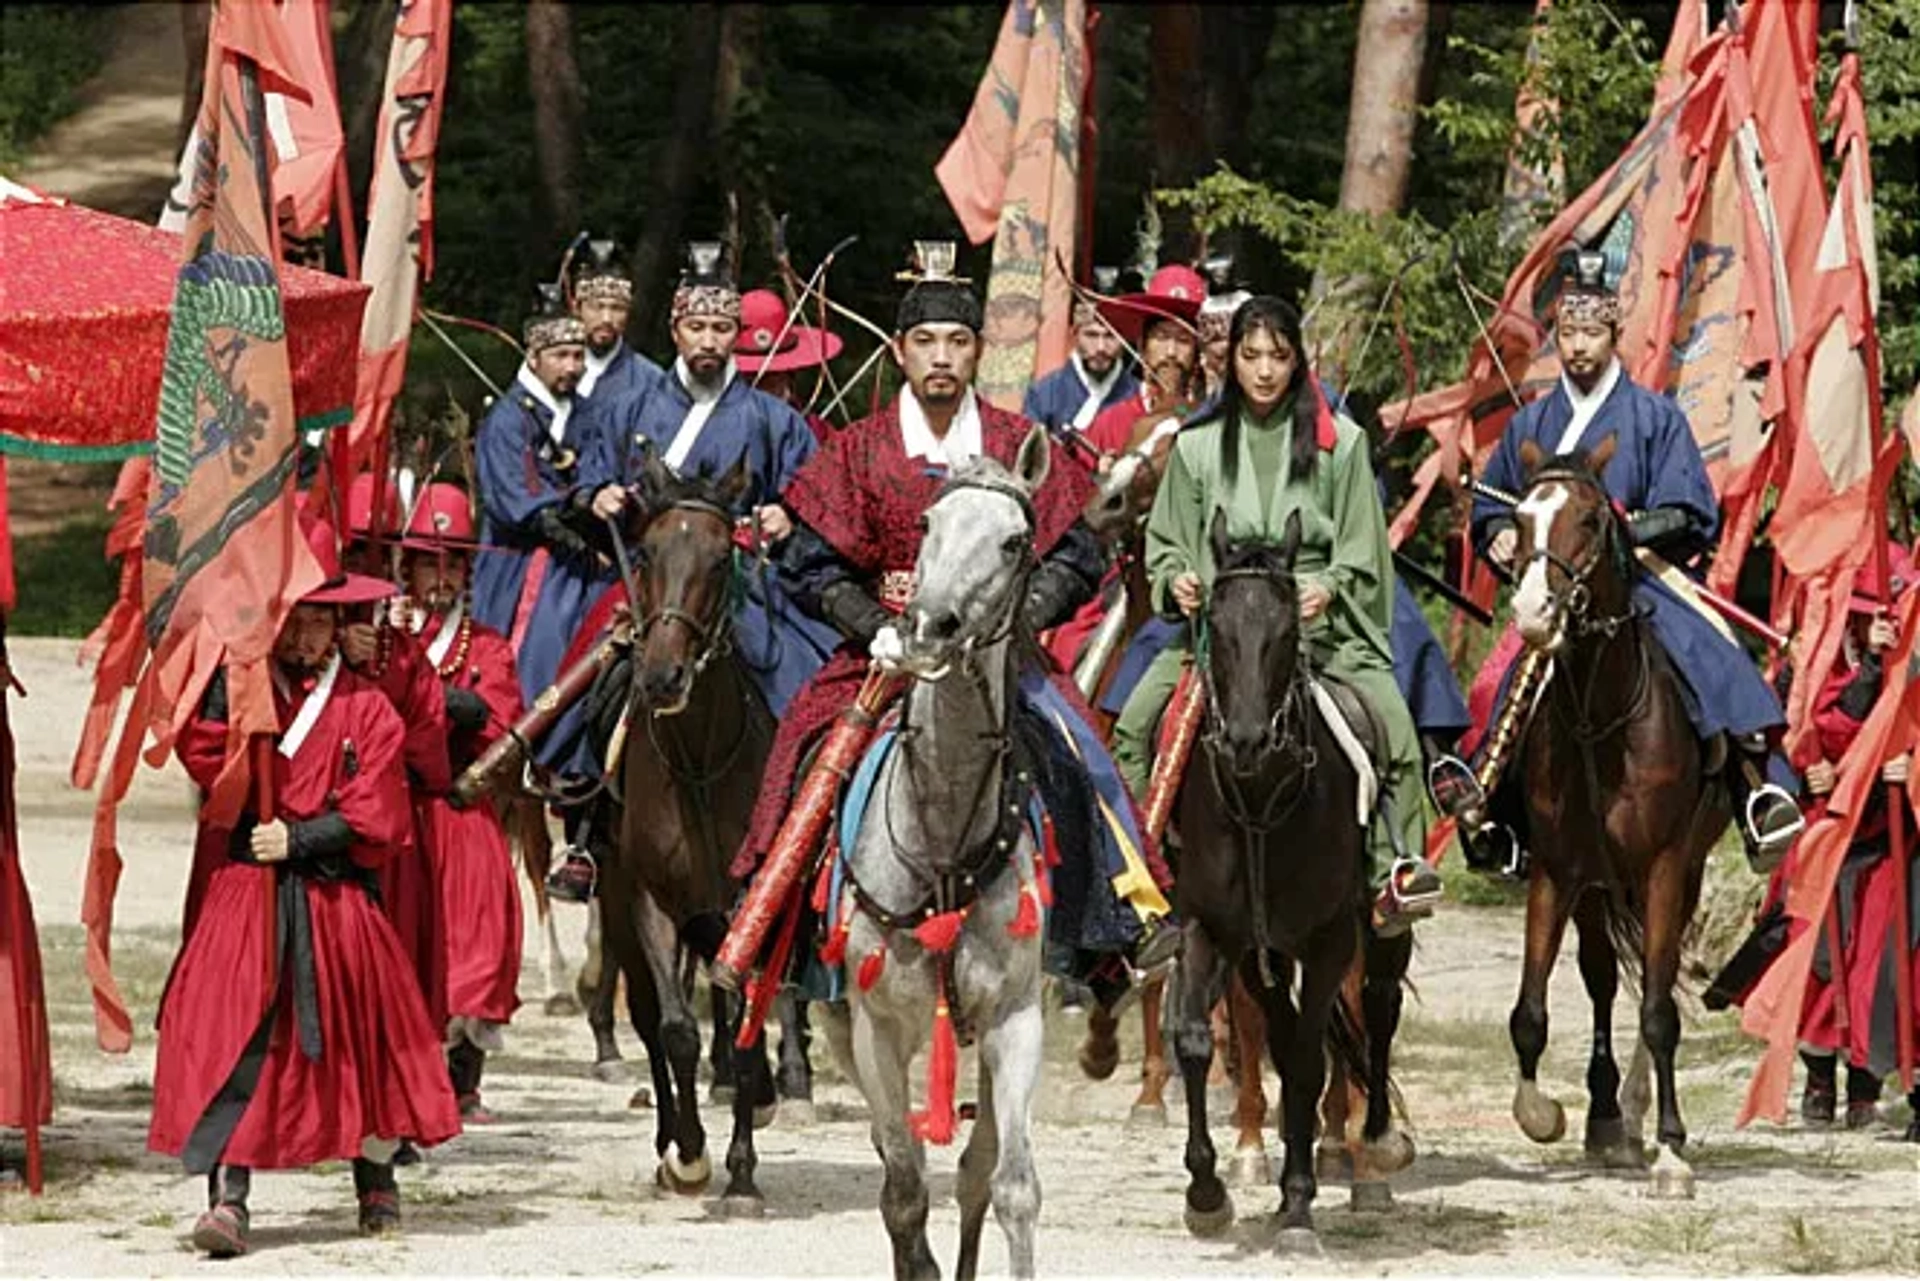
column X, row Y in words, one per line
column 938, row 848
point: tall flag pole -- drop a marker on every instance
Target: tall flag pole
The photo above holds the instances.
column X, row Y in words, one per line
column 223, row 559
column 1530, row 185
column 1013, row 176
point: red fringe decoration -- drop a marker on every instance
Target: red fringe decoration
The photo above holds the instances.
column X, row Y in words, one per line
column 763, row 987
column 939, row 933
column 1042, row 877
column 937, row 1123
column 870, row 968
column 1026, row 922
column 835, row 951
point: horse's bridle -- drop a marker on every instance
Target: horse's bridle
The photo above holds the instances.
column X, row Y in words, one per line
column 714, row 635
column 1578, row 597
column 1017, row 594
column 1287, row 727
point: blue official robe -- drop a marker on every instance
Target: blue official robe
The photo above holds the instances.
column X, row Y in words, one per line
column 1656, row 463
column 1054, row 400
column 516, row 578
column 780, row 644
column 626, row 372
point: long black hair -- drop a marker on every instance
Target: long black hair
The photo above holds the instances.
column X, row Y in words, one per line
column 1279, row 319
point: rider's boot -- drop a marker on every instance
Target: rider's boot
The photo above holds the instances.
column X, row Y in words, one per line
column 1410, row 888
column 1769, row 818
column 221, row 1232
column 575, row 876
column 1817, row 1100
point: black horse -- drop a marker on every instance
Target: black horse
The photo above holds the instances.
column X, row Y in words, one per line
column 1270, row 877
column 696, row 739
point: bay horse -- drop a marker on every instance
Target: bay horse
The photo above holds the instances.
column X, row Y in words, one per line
column 939, row 874
column 1271, row 878
column 698, row 738
column 1622, row 810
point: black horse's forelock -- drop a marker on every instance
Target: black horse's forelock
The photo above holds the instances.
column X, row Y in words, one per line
column 1256, row 556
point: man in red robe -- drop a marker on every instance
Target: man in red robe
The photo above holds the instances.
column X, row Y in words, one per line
column 1159, row 325
column 466, row 846
column 857, row 507
column 292, row 1031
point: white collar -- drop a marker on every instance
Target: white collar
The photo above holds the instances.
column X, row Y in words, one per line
column 700, row 394
column 1096, row 387
column 1585, row 404
column 598, row 365
column 309, row 714
column 442, row 643
column 560, row 409
column 963, row 441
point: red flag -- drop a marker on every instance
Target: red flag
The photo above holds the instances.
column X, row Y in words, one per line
column 223, row 559
column 1012, row 175
column 302, row 121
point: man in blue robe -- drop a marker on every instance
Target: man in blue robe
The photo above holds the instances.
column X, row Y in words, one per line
column 536, row 569
column 1094, row 377
column 602, row 298
column 701, row 419
column 1656, row 474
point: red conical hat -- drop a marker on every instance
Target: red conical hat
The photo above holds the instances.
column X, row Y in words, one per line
column 340, row 587
column 762, row 317
column 442, row 521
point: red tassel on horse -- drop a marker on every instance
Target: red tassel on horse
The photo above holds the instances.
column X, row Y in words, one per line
column 1026, row 922
column 870, row 968
column 937, row 1123
column 823, row 883
column 1043, row 872
column 939, row 933
column 835, row 951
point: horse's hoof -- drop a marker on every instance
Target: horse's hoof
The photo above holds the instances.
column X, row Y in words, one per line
column 1250, row 1168
column 610, row 1070
column 1100, row 1050
column 1332, row 1163
column 684, row 1179
column 564, row 1005
column 1148, row 1116
column 642, row 1097
column 1672, row 1178
column 1609, row 1147
column 1374, row 1196
column 764, row 1114
column 1301, row 1243
column 1391, row 1153
column 1541, row 1119
column 798, row 1114
column 737, row 1205
column 1207, row 1224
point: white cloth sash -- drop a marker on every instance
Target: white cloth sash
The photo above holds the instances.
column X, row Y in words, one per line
column 309, row 714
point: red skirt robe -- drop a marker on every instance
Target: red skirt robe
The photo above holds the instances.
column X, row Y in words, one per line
column 380, row 1072
column 467, row 849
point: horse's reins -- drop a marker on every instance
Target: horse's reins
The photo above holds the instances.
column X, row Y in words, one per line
column 1289, row 732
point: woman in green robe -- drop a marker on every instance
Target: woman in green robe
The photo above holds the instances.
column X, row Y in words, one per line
column 1272, row 448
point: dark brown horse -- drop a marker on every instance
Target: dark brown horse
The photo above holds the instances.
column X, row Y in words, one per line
column 1271, row 877
column 1620, row 806
column 696, row 742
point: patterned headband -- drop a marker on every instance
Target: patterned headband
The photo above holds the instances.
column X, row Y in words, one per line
column 543, row 332
column 722, row 301
column 614, row 289
column 1582, row 306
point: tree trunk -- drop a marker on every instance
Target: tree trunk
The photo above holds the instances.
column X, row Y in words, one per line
column 1237, row 38
column 737, row 71
column 553, row 76
column 1381, row 117
column 196, row 20
column 679, row 169
column 1178, row 89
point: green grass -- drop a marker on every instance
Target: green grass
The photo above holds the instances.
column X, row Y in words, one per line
column 47, row 51
column 63, row 581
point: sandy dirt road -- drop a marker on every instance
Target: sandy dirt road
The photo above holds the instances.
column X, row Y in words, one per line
column 563, row 1183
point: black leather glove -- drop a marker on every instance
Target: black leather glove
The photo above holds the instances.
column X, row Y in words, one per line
column 322, row 836
column 1050, row 598
column 559, row 536
column 466, row 710
column 858, row 616
column 1659, row 525
column 213, row 703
